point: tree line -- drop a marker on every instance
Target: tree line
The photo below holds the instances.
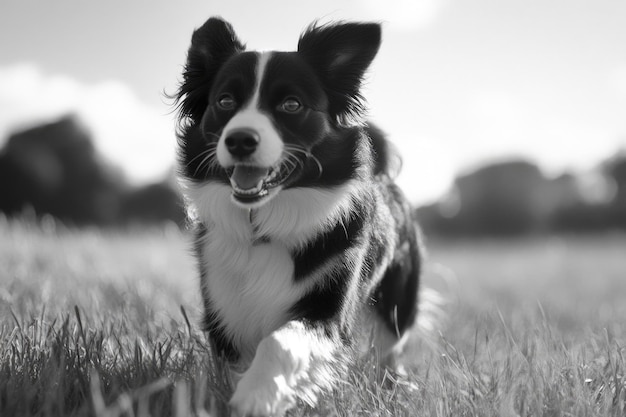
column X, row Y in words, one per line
column 55, row 169
column 516, row 198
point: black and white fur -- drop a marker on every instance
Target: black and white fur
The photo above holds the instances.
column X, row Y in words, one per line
column 306, row 247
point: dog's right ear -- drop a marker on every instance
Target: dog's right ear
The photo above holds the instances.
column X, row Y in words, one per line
column 211, row 46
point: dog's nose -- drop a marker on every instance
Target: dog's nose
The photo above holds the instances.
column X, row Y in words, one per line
column 242, row 142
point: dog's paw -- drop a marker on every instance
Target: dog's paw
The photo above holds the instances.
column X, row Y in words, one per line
column 258, row 398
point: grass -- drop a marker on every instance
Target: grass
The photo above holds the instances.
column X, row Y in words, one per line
column 104, row 323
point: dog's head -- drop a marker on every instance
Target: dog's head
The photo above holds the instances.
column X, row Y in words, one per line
column 256, row 120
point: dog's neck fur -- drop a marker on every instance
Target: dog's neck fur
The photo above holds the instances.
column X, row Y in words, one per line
column 293, row 217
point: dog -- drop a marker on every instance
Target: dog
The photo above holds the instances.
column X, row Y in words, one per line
column 307, row 250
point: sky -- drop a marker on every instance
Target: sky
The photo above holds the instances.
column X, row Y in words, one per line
column 456, row 84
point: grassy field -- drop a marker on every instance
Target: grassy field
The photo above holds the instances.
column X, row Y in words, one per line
column 104, row 323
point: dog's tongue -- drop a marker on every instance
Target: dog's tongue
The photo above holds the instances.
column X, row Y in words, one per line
column 247, row 177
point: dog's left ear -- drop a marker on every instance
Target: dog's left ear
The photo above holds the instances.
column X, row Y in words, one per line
column 340, row 54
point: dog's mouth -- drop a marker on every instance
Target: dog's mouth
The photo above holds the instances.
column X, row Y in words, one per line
column 251, row 183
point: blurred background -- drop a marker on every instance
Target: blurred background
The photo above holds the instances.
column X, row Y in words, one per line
column 510, row 115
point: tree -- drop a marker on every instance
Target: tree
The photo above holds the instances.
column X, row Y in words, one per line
column 55, row 169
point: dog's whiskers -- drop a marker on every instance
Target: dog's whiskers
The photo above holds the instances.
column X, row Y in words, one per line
column 319, row 164
column 211, row 147
column 208, row 159
column 291, row 149
column 211, row 163
column 213, row 136
column 292, row 160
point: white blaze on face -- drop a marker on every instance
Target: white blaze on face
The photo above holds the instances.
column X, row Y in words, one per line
column 251, row 117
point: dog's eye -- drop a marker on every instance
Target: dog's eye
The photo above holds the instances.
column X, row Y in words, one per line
column 226, row 102
column 291, row 105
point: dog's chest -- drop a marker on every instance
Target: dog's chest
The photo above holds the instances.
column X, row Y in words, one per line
column 250, row 286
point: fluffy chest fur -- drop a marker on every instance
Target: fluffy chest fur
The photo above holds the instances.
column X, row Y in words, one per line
column 250, row 286
column 247, row 256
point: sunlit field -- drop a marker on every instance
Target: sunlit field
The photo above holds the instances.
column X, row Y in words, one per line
column 105, row 323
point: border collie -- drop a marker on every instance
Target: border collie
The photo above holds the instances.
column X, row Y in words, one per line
column 307, row 251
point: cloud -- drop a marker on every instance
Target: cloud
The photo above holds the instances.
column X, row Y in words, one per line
column 27, row 96
column 501, row 124
column 131, row 134
column 404, row 15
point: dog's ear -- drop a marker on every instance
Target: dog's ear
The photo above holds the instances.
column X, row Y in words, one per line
column 211, row 46
column 340, row 53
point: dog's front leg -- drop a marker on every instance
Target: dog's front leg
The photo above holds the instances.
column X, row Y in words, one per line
column 281, row 371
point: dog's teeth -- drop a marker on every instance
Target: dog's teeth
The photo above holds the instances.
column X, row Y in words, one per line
column 250, row 191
